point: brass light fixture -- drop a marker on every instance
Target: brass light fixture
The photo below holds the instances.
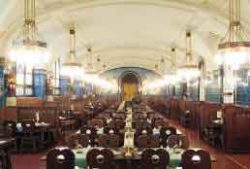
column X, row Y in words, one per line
column 234, row 48
column 190, row 70
column 171, row 77
column 71, row 67
column 29, row 48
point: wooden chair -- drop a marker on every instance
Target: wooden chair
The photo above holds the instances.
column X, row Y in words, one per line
column 101, row 159
column 148, row 141
column 91, row 132
column 159, row 123
column 10, row 128
column 96, row 123
column 60, row 159
column 84, row 140
column 165, row 132
column 3, row 160
column 143, row 131
column 196, row 160
column 109, row 141
column 154, row 159
column 178, row 141
column 30, row 137
column 111, row 130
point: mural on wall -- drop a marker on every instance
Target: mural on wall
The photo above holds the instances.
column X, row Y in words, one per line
column 145, row 76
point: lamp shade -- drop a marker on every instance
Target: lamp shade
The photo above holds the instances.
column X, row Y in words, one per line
column 31, row 53
column 188, row 72
column 233, row 54
column 73, row 70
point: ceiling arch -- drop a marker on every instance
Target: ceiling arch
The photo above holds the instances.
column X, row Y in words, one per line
column 125, row 29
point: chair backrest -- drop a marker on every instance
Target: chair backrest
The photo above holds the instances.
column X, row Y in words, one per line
column 141, row 123
column 28, row 126
column 90, row 131
column 152, row 159
column 76, row 140
column 148, row 141
column 110, row 130
column 167, row 131
column 101, row 159
column 178, row 141
column 60, row 159
column 159, row 123
column 97, row 123
column 84, row 140
column 143, row 131
column 109, row 141
column 196, row 159
column 10, row 127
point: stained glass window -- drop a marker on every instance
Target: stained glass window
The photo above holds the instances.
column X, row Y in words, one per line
column 24, row 80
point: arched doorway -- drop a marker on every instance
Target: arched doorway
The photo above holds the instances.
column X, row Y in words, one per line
column 129, row 85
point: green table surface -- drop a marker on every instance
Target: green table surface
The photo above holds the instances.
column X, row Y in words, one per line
column 80, row 157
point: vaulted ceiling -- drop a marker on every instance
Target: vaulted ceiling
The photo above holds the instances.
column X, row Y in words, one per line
column 125, row 32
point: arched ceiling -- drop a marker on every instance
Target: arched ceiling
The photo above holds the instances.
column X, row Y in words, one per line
column 125, row 32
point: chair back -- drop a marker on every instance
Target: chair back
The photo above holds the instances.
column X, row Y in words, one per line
column 109, row 141
column 101, row 159
column 110, row 130
column 77, row 140
column 28, row 127
column 196, row 159
column 96, row 123
column 87, row 130
column 144, row 131
column 60, row 159
column 178, row 141
column 148, row 141
column 10, row 128
column 152, row 159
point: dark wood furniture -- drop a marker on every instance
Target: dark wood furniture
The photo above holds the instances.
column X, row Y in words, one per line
column 6, row 145
column 196, row 160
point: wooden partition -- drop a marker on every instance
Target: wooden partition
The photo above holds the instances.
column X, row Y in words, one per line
column 193, row 107
column 46, row 114
column 236, row 128
column 207, row 113
column 174, row 109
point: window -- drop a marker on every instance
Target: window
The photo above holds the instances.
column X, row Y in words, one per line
column 24, row 80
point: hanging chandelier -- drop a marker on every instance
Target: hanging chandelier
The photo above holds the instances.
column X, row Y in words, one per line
column 234, row 49
column 171, row 77
column 29, row 48
column 190, row 70
column 71, row 67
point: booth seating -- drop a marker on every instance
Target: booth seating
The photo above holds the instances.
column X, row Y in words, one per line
column 193, row 108
column 208, row 113
column 236, row 129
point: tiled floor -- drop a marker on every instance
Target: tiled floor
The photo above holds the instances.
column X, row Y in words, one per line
column 223, row 161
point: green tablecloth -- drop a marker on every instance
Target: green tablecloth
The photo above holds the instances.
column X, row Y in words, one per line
column 80, row 158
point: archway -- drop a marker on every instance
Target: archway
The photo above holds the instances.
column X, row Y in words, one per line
column 129, row 85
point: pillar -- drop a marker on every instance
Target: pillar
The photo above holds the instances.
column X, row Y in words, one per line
column 202, row 79
column 227, row 84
